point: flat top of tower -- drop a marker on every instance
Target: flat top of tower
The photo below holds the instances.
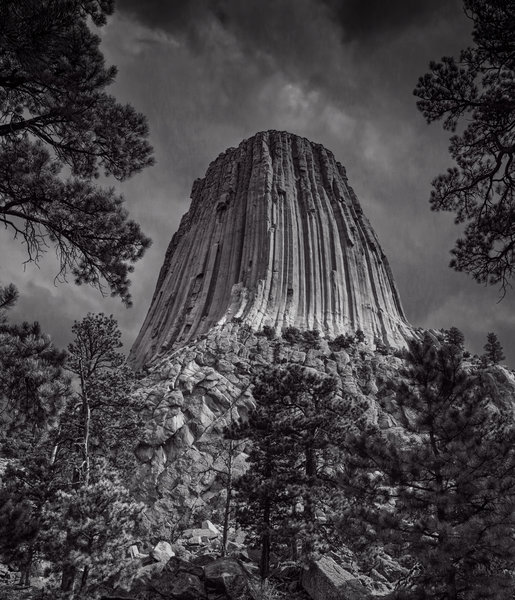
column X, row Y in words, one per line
column 274, row 133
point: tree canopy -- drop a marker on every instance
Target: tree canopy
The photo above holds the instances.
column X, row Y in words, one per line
column 295, row 431
column 33, row 387
column 475, row 95
column 442, row 494
column 56, row 116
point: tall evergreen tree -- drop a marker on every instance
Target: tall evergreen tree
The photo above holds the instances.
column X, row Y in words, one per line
column 33, row 386
column 477, row 91
column 443, row 493
column 104, row 412
column 55, row 114
column 295, row 432
column 33, row 393
column 455, row 337
column 97, row 432
column 493, row 349
column 63, row 479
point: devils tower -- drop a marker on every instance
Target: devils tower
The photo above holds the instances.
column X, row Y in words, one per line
column 276, row 237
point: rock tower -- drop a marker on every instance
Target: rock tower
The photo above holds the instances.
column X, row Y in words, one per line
column 275, row 236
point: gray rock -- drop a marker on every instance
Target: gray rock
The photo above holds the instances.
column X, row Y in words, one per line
column 202, row 533
column 208, row 525
column 162, row 552
column 225, row 579
column 325, row 580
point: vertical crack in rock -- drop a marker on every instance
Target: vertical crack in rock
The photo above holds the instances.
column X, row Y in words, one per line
column 274, row 236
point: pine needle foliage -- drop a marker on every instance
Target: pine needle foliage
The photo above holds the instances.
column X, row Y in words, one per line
column 475, row 95
column 442, row 494
column 294, row 431
column 56, row 117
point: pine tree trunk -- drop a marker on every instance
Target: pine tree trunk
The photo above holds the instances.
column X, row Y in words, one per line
column 84, row 579
column 293, row 549
column 25, row 573
column 264, row 564
column 86, row 428
column 68, row 580
column 452, row 592
column 227, row 511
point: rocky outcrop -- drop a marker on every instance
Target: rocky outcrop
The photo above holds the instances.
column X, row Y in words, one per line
column 191, row 395
column 217, row 579
column 326, row 580
column 275, row 236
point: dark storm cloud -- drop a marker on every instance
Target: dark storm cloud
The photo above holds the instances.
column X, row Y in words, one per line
column 361, row 20
column 357, row 19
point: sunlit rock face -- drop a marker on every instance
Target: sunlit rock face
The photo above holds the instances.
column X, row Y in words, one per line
column 274, row 236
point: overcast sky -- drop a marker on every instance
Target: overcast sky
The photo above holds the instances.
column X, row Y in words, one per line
column 210, row 73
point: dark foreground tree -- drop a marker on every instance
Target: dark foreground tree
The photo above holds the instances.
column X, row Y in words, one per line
column 33, row 387
column 442, row 494
column 103, row 410
column 63, row 497
column 296, row 432
column 477, row 94
column 33, row 392
column 55, row 114
column 95, row 442
column 493, row 350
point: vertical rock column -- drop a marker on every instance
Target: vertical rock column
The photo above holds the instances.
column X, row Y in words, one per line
column 274, row 236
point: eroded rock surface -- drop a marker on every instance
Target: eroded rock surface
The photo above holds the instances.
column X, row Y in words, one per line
column 191, row 395
column 274, row 236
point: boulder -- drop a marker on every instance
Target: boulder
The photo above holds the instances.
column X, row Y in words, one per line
column 4, row 572
column 213, row 528
column 225, row 579
column 162, row 552
column 179, row 580
column 204, row 578
column 196, row 540
column 326, row 580
column 135, row 553
column 201, row 533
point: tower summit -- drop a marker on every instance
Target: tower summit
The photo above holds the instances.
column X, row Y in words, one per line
column 274, row 236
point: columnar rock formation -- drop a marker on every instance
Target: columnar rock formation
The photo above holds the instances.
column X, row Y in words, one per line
column 274, row 236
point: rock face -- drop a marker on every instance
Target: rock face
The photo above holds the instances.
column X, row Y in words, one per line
column 275, row 236
column 325, row 580
column 191, row 395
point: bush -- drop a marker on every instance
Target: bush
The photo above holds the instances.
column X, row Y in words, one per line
column 292, row 335
column 311, row 339
column 342, row 342
column 268, row 332
column 381, row 347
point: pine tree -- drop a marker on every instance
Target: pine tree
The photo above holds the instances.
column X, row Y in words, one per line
column 31, row 480
column 76, row 469
column 88, row 529
column 493, row 349
column 107, row 412
column 295, row 431
column 33, row 393
column 222, row 462
column 455, row 337
column 33, row 386
column 475, row 94
column 97, row 430
column 442, row 494
column 56, row 116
